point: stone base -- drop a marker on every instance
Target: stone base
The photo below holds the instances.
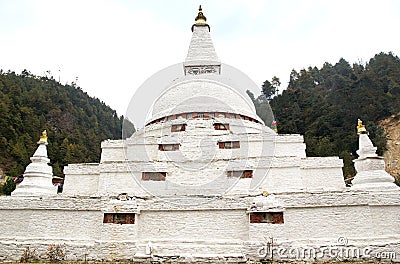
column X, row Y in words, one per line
column 374, row 180
column 247, row 252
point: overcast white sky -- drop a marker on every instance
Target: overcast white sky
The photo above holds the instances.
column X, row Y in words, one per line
column 114, row 46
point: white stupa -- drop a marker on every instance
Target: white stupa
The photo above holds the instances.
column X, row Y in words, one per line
column 206, row 181
column 38, row 174
column 371, row 174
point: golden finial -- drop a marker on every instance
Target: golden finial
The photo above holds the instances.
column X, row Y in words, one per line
column 361, row 128
column 43, row 138
column 200, row 19
column 265, row 193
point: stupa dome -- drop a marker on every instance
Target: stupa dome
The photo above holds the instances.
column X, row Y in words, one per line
column 224, row 93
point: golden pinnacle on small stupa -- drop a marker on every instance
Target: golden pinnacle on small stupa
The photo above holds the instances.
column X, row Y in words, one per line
column 43, row 138
column 361, row 128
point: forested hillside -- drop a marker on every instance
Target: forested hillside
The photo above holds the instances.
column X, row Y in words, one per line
column 324, row 105
column 75, row 122
column 321, row 104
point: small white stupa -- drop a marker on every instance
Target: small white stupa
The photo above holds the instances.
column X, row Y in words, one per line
column 38, row 174
column 371, row 174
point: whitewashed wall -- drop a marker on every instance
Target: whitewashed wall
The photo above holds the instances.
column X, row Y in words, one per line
column 81, row 179
column 211, row 227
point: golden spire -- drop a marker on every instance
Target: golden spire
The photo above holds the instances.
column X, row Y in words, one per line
column 43, row 138
column 200, row 19
column 361, row 128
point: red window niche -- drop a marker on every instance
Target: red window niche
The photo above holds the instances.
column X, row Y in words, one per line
column 119, row 218
column 229, row 144
column 178, row 127
column 267, row 217
column 168, row 147
column 240, row 174
column 220, row 126
column 154, row 176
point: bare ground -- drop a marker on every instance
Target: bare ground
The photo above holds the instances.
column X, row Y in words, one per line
column 392, row 154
